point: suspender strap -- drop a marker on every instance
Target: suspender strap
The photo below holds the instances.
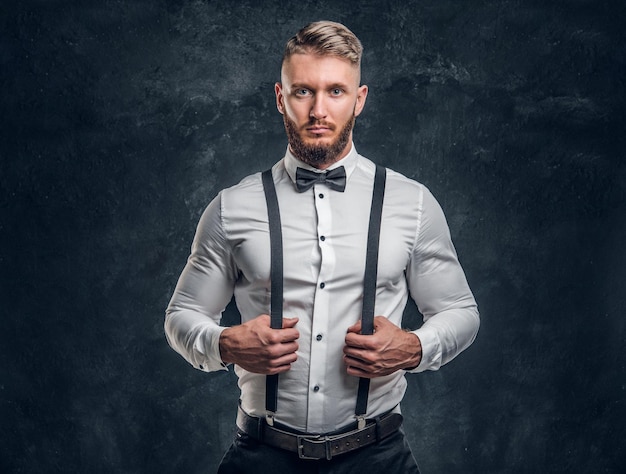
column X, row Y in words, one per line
column 369, row 280
column 276, row 276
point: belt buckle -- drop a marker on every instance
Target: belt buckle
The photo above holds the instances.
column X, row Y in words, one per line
column 314, row 440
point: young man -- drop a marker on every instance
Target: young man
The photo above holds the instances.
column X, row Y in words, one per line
column 316, row 366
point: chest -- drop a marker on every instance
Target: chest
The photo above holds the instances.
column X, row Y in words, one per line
column 324, row 232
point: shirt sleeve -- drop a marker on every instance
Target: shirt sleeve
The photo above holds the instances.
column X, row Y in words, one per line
column 438, row 286
column 204, row 289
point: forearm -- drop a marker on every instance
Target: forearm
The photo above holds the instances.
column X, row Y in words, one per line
column 193, row 316
column 446, row 335
column 195, row 337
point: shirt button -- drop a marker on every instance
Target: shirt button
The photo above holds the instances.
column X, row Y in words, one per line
column 316, row 388
column 322, row 285
column 322, row 238
column 318, row 337
column 321, row 196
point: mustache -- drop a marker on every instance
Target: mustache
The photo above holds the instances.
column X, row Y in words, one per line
column 319, row 123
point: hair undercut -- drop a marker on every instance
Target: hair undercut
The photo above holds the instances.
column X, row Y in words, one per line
column 325, row 38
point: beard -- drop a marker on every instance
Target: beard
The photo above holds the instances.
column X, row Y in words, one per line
column 316, row 155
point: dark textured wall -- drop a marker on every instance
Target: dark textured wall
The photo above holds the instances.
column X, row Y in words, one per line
column 120, row 120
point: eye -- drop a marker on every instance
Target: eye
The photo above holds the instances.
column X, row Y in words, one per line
column 302, row 92
column 336, row 91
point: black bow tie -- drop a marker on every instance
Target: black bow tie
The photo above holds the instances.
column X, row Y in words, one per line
column 334, row 179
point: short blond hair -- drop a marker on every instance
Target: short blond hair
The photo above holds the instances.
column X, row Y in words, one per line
column 325, row 38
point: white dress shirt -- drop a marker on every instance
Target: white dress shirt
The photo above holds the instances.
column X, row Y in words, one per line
column 324, row 241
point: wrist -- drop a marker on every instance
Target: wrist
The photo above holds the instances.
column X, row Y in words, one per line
column 415, row 351
column 225, row 353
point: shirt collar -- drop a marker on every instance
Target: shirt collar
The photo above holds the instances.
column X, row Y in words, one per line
column 349, row 162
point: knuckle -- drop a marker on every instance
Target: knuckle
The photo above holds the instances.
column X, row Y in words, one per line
column 272, row 338
column 273, row 351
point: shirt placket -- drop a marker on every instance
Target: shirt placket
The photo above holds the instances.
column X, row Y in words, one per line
column 321, row 311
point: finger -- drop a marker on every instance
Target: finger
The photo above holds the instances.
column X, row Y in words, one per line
column 289, row 332
column 283, row 336
column 357, row 368
column 282, row 364
column 359, row 341
column 277, row 370
column 363, row 357
column 359, row 373
column 279, row 350
column 285, row 359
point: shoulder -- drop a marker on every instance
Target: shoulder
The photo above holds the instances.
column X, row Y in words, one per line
column 396, row 180
column 397, row 185
column 245, row 201
column 251, row 186
column 243, row 195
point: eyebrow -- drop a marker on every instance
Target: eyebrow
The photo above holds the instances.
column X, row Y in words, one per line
column 335, row 85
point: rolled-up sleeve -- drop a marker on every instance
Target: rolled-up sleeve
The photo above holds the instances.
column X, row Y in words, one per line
column 204, row 289
column 438, row 286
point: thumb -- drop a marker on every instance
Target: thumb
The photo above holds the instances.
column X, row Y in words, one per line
column 289, row 322
column 356, row 328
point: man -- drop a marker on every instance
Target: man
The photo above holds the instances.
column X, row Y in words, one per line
column 318, row 352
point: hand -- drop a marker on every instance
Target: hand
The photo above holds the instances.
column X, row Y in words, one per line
column 389, row 349
column 258, row 348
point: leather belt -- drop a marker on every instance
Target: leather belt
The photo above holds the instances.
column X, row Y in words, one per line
column 310, row 446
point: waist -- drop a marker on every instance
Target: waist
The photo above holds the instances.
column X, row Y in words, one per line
column 319, row 446
column 302, row 408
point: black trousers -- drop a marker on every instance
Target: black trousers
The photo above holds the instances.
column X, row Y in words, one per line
column 392, row 455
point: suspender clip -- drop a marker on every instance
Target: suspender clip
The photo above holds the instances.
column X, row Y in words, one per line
column 360, row 422
column 269, row 417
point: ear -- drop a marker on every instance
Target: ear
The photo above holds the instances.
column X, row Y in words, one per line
column 280, row 98
column 361, row 95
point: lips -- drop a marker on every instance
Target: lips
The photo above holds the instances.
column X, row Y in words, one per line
column 319, row 129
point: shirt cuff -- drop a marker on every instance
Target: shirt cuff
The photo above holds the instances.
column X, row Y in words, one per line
column 208, row 349
column 431, row 350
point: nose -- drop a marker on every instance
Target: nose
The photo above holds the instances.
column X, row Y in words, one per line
column 318, row 109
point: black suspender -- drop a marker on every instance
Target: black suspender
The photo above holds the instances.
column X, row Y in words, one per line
column 369, row 281
column 276, row 277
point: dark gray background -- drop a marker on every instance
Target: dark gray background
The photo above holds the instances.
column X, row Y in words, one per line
column 120, row 120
